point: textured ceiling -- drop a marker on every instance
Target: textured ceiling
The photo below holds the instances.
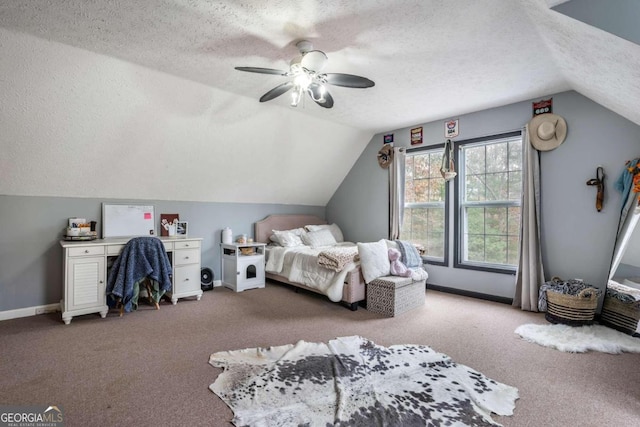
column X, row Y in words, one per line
column 430, row 59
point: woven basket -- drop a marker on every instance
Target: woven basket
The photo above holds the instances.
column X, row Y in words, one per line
column 574, row 310
column 619, row 315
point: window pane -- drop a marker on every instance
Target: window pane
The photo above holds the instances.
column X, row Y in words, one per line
column 513, row 250
column 497, row 158
column 435, row 162
column 436, row 219
column 436, row 189
column 420, row 167
column 475, row 220
column 514, row 221
column 515, row 155
column 515, row 185
column 435, row 245
column 474, row 188
column 497, row 186
column 475, row 248
column 474, row 163
column 495, row 221
column 491, row 189
column 421, row 190
column 496, row 249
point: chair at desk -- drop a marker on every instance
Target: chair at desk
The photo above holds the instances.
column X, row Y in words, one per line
column 143, row 261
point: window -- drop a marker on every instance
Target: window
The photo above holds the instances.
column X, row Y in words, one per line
column 425, row 193
column 488, row 203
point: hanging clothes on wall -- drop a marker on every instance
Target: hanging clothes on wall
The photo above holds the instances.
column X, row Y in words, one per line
column 629, row 180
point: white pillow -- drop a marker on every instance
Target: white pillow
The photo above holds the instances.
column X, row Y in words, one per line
column 374, row 260
column 319, row 238
column 288, row 238
column 333, row 228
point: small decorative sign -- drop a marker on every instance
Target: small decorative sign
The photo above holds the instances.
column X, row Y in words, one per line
column 542, row 107
column 416, row 136
column 388, row 138
column 451, row 129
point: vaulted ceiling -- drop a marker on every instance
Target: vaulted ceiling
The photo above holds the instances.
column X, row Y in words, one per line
column 157, row 76
column 430, row 59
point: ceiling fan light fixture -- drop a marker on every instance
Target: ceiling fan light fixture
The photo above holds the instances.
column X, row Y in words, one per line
column 302, row 80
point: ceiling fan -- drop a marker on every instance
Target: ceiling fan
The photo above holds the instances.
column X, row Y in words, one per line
column 305, row 71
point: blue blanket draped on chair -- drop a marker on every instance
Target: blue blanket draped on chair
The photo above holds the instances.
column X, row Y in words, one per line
column 410, row 256
column 141, row 257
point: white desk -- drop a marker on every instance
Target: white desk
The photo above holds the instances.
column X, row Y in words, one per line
column 85, row 272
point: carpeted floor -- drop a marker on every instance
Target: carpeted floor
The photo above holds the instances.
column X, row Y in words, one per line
column 151, row 368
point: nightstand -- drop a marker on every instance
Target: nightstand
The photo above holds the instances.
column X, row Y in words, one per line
column 242, row 265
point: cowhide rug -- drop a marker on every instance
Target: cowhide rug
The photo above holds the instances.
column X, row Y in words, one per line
column 579, row 339
column 353, row 382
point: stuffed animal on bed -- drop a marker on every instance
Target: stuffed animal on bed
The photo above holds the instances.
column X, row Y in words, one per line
column 397, row 267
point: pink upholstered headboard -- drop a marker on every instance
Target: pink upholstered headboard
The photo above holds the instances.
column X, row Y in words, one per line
column 263, row 228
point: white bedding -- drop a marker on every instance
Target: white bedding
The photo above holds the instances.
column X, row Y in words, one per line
column 299, row 264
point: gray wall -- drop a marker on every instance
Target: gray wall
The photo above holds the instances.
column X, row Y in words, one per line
column 577, row 240
column 31, row 256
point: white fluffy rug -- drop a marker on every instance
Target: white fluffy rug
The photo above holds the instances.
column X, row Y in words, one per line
column 579, row 339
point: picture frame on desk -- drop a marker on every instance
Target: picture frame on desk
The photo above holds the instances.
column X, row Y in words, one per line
column 182, row 228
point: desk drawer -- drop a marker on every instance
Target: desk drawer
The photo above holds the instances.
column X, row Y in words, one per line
column 189, row 244
column 86, row 250
column 114, row 249
column 186, row 256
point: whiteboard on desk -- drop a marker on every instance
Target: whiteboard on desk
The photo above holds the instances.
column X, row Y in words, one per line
column 120, row 220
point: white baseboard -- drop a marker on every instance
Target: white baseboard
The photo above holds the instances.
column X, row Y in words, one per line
column 217, row 283
column 29, row 311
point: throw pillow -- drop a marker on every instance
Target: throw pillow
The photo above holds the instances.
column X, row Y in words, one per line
column 334, row 228
column 288, row 238
column 319, row 238
column 374, row 260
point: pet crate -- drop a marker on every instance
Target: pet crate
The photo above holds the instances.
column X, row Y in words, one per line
column 573, row 310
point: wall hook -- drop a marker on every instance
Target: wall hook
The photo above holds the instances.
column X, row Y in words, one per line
column 598, row 181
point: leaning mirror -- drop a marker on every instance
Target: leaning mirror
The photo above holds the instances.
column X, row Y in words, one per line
column 621, row 307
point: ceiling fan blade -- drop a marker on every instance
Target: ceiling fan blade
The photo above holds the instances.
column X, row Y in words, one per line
column 276, row 91
column 348, row 80
column 320, row 95
column 262, row 70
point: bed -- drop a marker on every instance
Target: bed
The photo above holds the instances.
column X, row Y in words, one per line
column 346, row 285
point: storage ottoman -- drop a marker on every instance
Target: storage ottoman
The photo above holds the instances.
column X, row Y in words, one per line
column 393, row 295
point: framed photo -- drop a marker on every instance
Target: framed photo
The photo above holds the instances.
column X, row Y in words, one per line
column 181, row 228
column 416, row 136
column 165, row 221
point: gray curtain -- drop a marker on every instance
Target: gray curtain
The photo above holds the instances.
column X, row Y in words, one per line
column 530, row 274
column 396, row 192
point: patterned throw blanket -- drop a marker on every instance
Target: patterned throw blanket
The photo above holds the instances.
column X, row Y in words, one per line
column 337, row 258
column 351, row 381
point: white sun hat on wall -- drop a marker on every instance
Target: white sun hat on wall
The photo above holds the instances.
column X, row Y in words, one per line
column 547, row 131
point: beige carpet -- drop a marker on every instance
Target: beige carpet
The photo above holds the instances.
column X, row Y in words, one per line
column 151, row 368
